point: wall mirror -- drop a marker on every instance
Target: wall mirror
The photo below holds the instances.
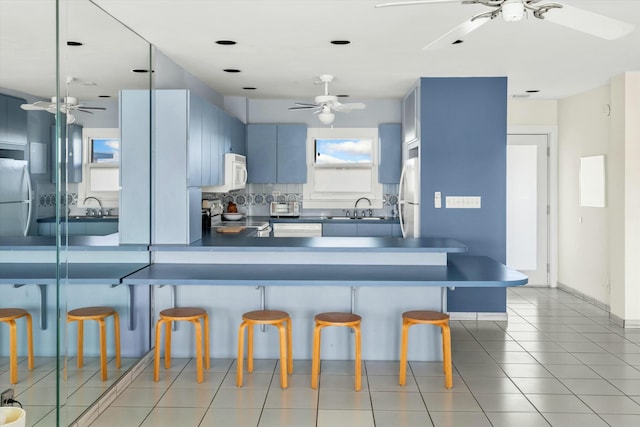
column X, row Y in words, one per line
column 73, row 51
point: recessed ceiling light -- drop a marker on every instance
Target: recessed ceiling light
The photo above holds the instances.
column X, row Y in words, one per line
column 231, row 70
column 72, row 43
column 226, row 42
column 533, row 91
column 104, row 96
column 249, row 88
column 342, row 96
column 458, row 41
column 139, row 70
column 340, row 42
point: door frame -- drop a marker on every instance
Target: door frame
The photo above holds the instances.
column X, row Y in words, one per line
column 552, row 191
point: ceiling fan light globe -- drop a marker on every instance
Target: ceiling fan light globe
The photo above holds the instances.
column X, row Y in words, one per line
column 512, row 10
column 326, row 118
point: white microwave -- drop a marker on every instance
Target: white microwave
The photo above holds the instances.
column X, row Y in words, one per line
column 235, row 174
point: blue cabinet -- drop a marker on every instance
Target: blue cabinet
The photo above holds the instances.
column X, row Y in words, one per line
column 390, row 140
column 360, row 228
column 238, row 137
column 13, row 121
column 196, row 162
column 277, row 153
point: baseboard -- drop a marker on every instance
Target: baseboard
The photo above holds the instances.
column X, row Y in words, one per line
column 478, row 316
column 99, row 406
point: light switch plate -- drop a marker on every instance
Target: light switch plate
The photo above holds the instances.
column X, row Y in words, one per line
column 437, row 200
column 463, row 202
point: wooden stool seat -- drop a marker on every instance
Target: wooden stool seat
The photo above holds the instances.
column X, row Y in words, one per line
column 9, row 316
column 188, row 314
column 336, row 319
column 282, row 321
column 426, row 317
column 100, row 314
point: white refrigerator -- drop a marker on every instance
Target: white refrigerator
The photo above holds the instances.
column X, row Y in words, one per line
column 15, row 197
column 409, row 198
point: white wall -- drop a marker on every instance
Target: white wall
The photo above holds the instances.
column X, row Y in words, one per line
column 583, row 231
column 625, row 199
column 532, row 112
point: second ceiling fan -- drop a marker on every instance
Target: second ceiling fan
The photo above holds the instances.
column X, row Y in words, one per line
column 326, row 104
column 515, row 10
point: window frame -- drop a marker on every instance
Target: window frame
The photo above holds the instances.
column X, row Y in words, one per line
column 110, row 199
column 342, row 199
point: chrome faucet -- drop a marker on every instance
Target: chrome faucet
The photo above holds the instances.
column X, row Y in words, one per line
column 91, row 212
column 355, row 212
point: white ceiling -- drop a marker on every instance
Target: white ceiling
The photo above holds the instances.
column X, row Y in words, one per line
column 283, row 45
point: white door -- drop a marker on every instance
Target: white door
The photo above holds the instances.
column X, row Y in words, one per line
column 528, row 206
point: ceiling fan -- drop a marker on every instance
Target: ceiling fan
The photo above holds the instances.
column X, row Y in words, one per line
column 70, row 104
column 515, row 10
column 326, row 104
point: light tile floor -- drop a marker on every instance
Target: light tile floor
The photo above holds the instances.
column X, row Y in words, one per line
column 558, row 361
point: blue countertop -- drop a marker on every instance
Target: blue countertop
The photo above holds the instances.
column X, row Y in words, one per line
column 461, row 271
column 214, row 242
column 324, row 220
column 110, row 242
column 74, row 273
column 80, row 219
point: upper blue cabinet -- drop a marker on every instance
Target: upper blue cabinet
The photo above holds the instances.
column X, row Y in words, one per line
column 276, row 153
column 390, row 140
column 13, row 121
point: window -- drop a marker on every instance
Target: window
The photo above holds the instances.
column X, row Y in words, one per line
column 101, row 166
column 342, row 167
column 105, row 150
column 335, row 151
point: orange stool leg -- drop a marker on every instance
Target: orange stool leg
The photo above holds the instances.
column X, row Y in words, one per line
column 283, row 355
column 403, row 351
column 207, row 361
column 358, row 385
column 198, row 331
column 116, row 331
column 29, row 341
column 103, row 348
column 167, row 344
column 13, row 352
column 250, row 347
column 289, row 346
column 80, row 343
column 156, row 353
column 315, row 359
column 446, row 356
column 239, row 366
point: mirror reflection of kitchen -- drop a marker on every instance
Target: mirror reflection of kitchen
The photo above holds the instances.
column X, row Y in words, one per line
column 84, row 179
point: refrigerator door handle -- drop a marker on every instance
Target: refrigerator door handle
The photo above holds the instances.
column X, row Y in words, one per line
column 28, row 200
column 401, row 201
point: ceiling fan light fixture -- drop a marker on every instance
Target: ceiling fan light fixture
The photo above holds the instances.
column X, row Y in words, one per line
column 326, row 118
column 512, row 10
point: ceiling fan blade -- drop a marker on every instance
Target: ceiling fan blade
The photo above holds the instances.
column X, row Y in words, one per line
column 83, row 110
column 31, row 107
column 305, row 104
column 459, row 32
column 412, row 3
column 88, row 108
column 588, row 22
column 348, row 107
column 304, row 107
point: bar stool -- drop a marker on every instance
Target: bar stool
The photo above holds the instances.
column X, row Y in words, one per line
column 335, row 319
column 188, row 314
column 423, row 317
column 99, row 314
column 277, row 318
column 9, row 316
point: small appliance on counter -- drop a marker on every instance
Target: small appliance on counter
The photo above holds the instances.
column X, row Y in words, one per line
column 288, row 209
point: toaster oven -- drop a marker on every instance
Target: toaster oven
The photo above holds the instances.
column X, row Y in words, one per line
column 278, row 209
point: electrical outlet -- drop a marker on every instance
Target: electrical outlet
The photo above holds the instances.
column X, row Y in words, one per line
column 6, row 396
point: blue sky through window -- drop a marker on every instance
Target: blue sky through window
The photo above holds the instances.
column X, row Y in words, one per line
column 337, row 151
column 105, row 150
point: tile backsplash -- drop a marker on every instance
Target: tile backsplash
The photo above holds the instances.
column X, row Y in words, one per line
column 256, row 198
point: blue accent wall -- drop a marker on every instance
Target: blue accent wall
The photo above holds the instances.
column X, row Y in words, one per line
column 463, row 153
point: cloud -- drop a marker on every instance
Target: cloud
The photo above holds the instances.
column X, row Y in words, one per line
column 326, row 159
column 113, row 144
column 361, row 146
